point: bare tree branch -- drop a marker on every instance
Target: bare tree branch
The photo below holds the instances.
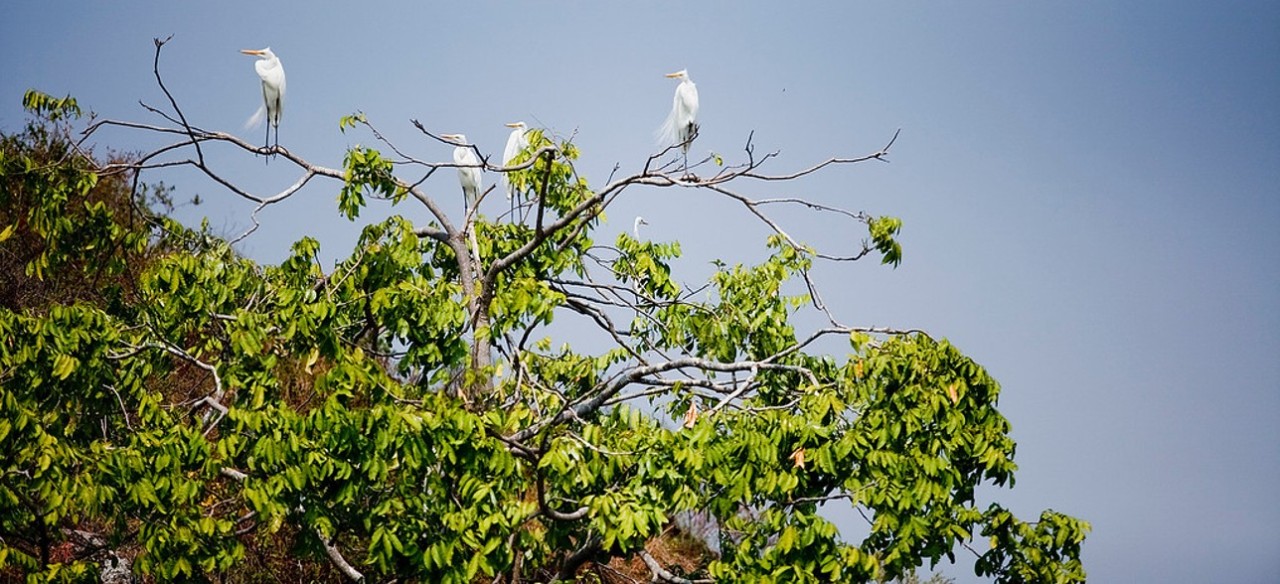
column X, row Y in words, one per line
column 880, row 155
column 155, row 68
column 340, row 562
column 664, row 575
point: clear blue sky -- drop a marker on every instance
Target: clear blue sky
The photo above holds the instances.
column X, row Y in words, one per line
column 1091, row 192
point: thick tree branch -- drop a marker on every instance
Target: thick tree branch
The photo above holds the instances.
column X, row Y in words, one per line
column 664, row 575
column 340, row 562
column 569, row 567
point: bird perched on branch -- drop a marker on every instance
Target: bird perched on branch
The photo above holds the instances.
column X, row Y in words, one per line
column 682, row 123
column 468, row 167
column 272, row 73
column 516, row 143
column 464, row 155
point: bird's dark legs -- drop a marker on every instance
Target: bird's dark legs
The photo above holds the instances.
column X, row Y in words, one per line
column 684, row 148
column 267, row 148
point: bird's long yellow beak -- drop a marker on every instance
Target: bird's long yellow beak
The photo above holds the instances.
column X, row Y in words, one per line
column 673, row 75
column 513, row 125
column 450, row 137
column 251, row 51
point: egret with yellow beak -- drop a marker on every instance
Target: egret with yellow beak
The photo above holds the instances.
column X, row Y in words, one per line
column 682, row 123
column 272, row 73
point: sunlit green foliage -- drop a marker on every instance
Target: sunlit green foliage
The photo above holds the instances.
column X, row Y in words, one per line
column 221, row 404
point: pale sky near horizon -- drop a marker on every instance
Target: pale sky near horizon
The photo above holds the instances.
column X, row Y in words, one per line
column 1090, row 192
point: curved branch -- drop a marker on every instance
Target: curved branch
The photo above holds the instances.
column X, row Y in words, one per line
column 664, row 575
column 306, row 177
column 880, row 155
column 155, row 68
column 753, row 206
column 569, row 568
column 548, row 510
column 340, row 562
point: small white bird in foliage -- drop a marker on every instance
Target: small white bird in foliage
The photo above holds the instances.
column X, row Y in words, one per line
column 682, row 122
column 516, row 143
column 272, row 73
column 635, row 228
column 468, row 167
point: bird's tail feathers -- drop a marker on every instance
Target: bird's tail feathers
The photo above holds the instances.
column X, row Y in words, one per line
column 668, row 134
column 673, row 133
column 257, row 118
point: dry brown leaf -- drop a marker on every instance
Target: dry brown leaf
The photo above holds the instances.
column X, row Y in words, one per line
column 797, row 458
column 691, row 416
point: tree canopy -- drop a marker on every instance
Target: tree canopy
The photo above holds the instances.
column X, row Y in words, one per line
column 173, row 407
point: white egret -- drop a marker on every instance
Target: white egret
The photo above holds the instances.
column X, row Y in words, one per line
column 468, row 167
column 682, row 122
column 469, row 175
column 272, row 73
column 516, row 143
column 635, row 228
column 637, row 284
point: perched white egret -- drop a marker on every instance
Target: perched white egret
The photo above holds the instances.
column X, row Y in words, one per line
column 516, row 143
column 635, row 228
column 469, row 175
column 469, row 167
column 272, row 73
column 682, row 122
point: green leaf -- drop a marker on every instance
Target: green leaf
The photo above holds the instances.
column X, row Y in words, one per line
column 64, row 365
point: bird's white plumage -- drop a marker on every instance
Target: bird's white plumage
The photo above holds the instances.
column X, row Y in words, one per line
column 683, row 119
column 271, row 71
column 635, row 227
column 516, row 143
column 468, row 170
